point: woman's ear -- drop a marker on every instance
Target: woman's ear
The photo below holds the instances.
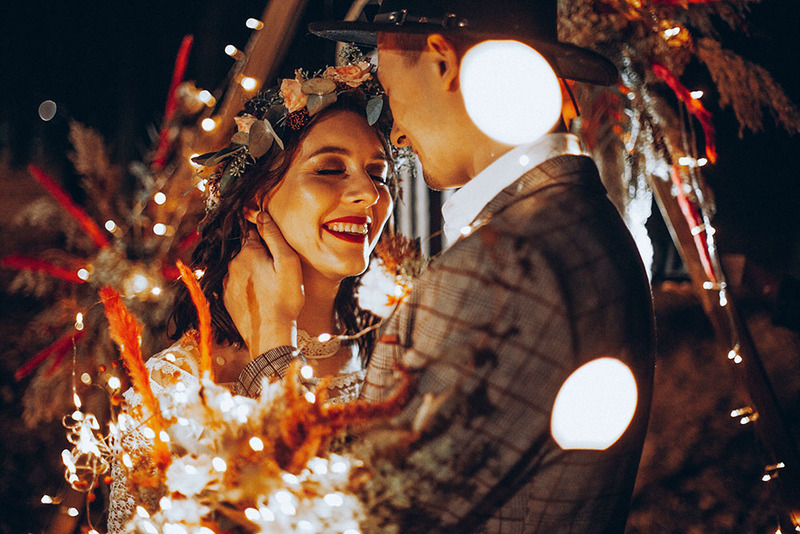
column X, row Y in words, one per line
column 251, row 214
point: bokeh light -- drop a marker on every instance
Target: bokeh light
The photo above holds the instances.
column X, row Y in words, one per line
column 510, row 91
column 594, row 405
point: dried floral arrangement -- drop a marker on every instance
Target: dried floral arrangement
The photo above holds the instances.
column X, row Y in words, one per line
column 651, row 126
column 198, row 459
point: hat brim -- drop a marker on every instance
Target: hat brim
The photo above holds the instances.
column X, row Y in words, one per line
column 569, row 61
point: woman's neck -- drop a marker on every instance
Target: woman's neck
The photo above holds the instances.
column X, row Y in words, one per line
column 318, row 315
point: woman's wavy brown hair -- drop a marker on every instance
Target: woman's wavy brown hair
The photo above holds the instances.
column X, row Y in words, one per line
column 225, row 226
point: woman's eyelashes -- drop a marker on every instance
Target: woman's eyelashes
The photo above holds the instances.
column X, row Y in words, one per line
column 376, row 172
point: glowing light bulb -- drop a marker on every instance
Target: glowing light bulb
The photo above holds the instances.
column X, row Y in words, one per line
column 163, row 436
column 306, row 371
column 198, row 273
column 159, row 228
column 594, row 406
column 47, row 499
column 254, row 24
column 248, row 83
column 73, row 512
column 159, row 198
column 205, row 97
column 83, row 274
column 141, row 512
column 334, row 499
column 697, row 95
column 256, row 444
column 86, row 378
column 310, row 397
column 156, row 291
column 114, row 382
column 231, row 50
column 110, row 225
column 208, row 124
column 252, row 514
column 323, row 338
column 219, row 464
column 531, row 101
column 686, row 161
column 702, row 162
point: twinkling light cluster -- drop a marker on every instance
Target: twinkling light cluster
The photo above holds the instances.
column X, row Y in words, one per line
column 221, row 460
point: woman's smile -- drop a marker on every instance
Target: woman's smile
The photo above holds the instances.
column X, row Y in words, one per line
column 352, row 229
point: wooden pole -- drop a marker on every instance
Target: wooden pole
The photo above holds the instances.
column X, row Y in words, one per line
column 753, row 382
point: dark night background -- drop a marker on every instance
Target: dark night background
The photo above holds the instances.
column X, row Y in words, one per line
column 108, row 65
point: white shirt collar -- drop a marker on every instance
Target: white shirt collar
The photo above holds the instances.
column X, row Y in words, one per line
column 466, row 203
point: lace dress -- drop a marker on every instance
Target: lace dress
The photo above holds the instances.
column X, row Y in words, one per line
column 180, row 363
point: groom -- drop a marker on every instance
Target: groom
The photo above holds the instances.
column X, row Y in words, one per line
column 542, row 279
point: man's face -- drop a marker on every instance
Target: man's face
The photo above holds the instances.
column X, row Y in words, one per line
column 417, row 109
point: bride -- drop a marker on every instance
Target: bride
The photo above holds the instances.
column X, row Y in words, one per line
column 319, row 196
column 306, row 182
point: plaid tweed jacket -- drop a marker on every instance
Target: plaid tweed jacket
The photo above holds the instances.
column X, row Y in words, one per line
column 548, row 280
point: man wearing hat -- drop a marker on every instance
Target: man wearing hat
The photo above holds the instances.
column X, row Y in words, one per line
column 542, row 284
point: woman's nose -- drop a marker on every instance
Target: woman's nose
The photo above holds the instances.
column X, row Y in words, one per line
column 397, row 136
column 362, row 190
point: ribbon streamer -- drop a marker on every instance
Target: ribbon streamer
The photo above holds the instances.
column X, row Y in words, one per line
column 160, row 157
column 95, row 233
column 693, row 105
column 26, row 263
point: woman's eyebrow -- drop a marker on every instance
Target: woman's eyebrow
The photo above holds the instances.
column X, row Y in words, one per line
column 330, row 149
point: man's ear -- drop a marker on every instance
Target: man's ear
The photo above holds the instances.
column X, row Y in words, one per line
column 447, row 60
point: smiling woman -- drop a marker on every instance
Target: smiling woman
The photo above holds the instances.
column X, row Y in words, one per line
column 297, row 203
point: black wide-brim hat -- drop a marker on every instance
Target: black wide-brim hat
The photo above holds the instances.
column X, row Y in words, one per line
column 533, row 22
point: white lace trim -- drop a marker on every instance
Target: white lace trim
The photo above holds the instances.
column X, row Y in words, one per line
column 315, row 349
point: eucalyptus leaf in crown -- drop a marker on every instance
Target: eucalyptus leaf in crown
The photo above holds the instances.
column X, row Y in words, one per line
column 266, row 116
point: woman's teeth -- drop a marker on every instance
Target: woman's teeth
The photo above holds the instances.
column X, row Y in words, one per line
column 348, row 228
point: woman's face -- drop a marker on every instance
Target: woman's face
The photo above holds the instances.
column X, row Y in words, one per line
column 334, row 201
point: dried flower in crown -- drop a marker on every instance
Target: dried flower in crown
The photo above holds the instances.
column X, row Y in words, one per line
column 290, row 105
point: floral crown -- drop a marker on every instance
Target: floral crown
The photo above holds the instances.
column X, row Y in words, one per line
column 267, row 115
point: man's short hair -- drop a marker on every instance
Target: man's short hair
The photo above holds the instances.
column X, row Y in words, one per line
column 412, row 44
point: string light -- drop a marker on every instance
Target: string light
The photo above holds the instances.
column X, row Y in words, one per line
column 159, row 198
column 159, row 228
column 672, row 32
column 83, row 274
column 234, row 52
column 697, row 95
column 248, row 83
column 79, row 321
column 206, row 97
column 47, row 499
column 73, row 512
column 256, row 444
column 156, row 291
column 114, row 382
column 110, row 225
column 208, row 124
column 254, row 24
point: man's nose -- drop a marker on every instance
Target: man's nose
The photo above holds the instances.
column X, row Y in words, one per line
column 398, row 138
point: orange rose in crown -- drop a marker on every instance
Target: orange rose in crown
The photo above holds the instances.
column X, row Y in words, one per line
column 291, row 90
column 352, row 75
